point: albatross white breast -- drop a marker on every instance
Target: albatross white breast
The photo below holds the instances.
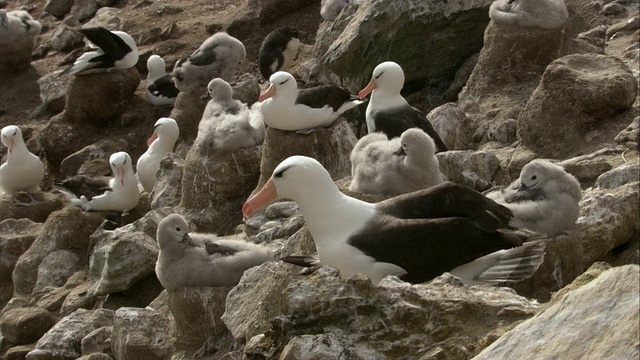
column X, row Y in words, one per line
column 23, row 171
column 165, row 135
column 416, row 236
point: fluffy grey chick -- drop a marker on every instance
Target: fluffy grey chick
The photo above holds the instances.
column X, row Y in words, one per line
column 544, row 199
column 228, row 124
column 420, row 168
column 202, row 259
column 218, row 56
column 16, row 24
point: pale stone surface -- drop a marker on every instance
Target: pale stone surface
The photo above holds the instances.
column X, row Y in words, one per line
column 141, row 334
column 56, row 268
column 567, row 329
column 453, row 126
column 619, row 176
column 25, row 325
column 471, row 168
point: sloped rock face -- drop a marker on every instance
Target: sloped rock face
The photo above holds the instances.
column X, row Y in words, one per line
column 168, row 188
column 47, row 203
column 330, row 146
column 453, row 126
column 578, row 94
column 214, row 187
column 16, row 56
column 26, row 325
column 566, row 329
column 141, row 334
column 353, row 318
column 449, row 32
column 471, row 168
column 608, row 219
column 67, row 229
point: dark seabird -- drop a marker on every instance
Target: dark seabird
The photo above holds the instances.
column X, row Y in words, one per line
column 416, row 236
column 161, row 91
column 388, row 111
column 113, row 50
column 278, row 50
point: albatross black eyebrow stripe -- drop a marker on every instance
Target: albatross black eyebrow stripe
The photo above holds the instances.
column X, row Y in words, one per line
column 284, row 82
column 281, row 172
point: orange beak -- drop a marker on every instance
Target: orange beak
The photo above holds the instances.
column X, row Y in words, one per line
column 267, row 194
column 152, row 139
column 121, row 174
column 267, row 94
column 367, row 89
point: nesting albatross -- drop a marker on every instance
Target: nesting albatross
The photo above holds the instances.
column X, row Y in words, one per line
column 416, row 236
column 202, row 259
column 165, row 135
column 286, row 108
column 161, row 91
column 113, row 50
column 545, row 198
column 388, row 111
column 23, row 171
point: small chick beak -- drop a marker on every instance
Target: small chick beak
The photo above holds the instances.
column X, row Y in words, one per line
column 121, row 174
column 400, row 152
column 205, row 96
column 267, row 194
column 367, row 89
column 523, row 187
column 152, row 138
column 267, row 94
column 188, row 240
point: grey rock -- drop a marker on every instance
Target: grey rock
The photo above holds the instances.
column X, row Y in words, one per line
column 52, row 299
column 95, row 356
column 282, row 209
column 587, row 168
column 79, row 162
column 614, row 8
column 562, row 118
column 471, row 168
column 111, row 266
column 56, row 268
column 58, row 8
column 67, row 229
column 546, row 14
column 141, row 334
column 370, row 32
column 109, row 18
column 84, row 10
column 63, row 340
column 65, row 39
column 16, row 56
column 25, row 325
column 97, row 341
column 630, row 136
column 18, row 352
column 608, row 219
column 187, row 112
column 16, row 236
column 53, row 89
column 503, row 131
column 39, row 212
column 619, row 176
column 453, row 126
column 168, row 189
column 565, row 329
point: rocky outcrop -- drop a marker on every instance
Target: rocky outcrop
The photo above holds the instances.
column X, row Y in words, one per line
column 141, row 334
column 471, row 168
column 25, row 325
column 453, row 126
column 168, row 188
column 605, row 87
column 16, row 56
column 565, row 329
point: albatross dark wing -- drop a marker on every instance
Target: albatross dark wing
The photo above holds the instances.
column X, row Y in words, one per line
column 113, row 46
column 320, row 96
column 213, row 248
column 394, row 121
column 203, row 57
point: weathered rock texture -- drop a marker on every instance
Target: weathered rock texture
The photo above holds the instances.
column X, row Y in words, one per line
column 25, row 325
column 16, row 56
column 566, row 329
column 577, row 97
column 141, row 334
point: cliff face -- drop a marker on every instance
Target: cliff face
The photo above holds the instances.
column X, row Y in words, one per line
column 500, row 91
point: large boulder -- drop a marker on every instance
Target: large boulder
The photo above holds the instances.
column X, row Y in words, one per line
column 566, row 328
column 574, row 106
column 446, row 33
column 16, row 56
column 474, row 169
column 141, row 334
column 25, row 325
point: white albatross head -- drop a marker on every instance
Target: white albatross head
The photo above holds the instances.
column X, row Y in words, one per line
column 282, row 84
column 388, row 77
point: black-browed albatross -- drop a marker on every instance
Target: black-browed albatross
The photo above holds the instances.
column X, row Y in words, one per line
column 416, row 236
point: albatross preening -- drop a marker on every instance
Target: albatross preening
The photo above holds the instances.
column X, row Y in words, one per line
column 113, row 50
column 545, row 198
column 161, row 91
column 218, row 56
column 415, row 236
column 202, row 259
column 286, row 108
column 388, row 111
column 165, row 135
column 23, row 171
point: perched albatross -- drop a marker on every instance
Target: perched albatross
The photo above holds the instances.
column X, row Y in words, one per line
column 228, row 124
column 545, row 198
column 388, row 111
column 23, row 171
column 278, row 50
column 202, row 259
column 161, row 91
column 286, row 108
column 119, row 193
column 16, row 24
column 165, row 135
column 114, row 50
column 396, row 166
column 415, row 236
column 218, row 56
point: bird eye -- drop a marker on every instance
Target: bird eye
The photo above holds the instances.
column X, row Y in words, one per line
column 178, row 228
column 534, row 177
column 281, row 172
column 15, row 132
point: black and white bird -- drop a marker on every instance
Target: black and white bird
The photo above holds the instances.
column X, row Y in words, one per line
column 17, row 24
column 23, row 171
column 198, row 259
column 388, row 111
column 228, row 124
column 217, row 57
column 393, row 167
column 164, row 137
column 112, row 51
column 415, row 236
column 119, row 193
column 161, row 91
column 278, row 50
column 286, row 108
column 545, row 198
